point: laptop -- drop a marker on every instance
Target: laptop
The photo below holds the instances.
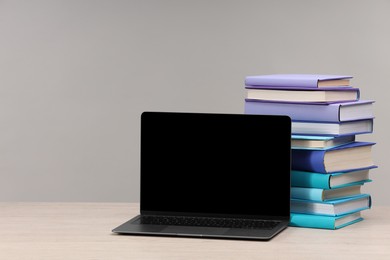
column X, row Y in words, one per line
column 213, row 175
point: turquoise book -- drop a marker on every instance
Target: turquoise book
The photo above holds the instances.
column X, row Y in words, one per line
column 329, row 181
column 324, row 222
column 316, row 194
column 332, row 207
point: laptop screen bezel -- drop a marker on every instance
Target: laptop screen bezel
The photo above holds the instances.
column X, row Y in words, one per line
column 284, row 120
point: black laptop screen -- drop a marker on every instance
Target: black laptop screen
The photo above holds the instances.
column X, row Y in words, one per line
column 222, row 164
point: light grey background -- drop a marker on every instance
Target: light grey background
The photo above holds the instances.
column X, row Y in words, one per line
column 75, row 76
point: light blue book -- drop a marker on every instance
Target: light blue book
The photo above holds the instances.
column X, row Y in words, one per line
column 319, row 142
column 324, row 222
column 332, row 207
column 329, row 181
column 316, row 194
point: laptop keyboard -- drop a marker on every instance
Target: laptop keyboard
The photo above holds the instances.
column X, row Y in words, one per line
column 209, row 222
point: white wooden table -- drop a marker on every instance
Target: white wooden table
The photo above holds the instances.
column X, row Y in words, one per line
column 83, row 231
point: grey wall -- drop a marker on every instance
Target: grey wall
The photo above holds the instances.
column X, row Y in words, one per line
column 75, row 76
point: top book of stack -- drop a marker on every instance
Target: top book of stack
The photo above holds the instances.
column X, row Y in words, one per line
column 301, row 88
column 298, row 81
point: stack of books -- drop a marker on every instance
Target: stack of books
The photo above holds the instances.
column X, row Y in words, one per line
column 329, row 165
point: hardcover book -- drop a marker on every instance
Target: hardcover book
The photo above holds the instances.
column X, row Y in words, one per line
column 319, row 142
column 324, row 222
column 314, row 95
column 364, row 126
column 332, row 113
column 330, row 180
column 332, row 207
column 298, row 80
column 353, row 156
column 315, row 194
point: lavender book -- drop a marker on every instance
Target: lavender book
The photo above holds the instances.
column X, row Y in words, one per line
column 335, row 112
column 298, row 81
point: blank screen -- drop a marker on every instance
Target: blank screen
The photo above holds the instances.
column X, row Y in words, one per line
column 215, row 164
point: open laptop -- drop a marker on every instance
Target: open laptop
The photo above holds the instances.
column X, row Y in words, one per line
column 213, row 175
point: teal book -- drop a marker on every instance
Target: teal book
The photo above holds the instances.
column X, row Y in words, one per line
column 316, row 194
column 329, row 181
column 332, row 207
column 324, row 222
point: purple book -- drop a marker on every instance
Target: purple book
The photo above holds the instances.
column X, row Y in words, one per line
column 333, row 113
column 298, row 81
column 353, row 156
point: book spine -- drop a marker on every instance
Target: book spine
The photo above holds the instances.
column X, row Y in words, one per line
column 297, row 111
column 308, row 160
column 312, row 194
column 281, row 82
column 317, row 221
column 312, row 221
column 310, row 180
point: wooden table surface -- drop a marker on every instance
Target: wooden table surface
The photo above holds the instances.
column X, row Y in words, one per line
column 83, row 231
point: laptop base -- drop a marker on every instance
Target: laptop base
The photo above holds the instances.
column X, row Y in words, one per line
column 134, row 227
